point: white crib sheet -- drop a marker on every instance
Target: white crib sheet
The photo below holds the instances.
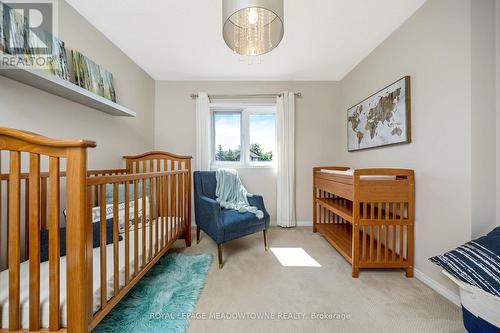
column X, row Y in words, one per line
column 44, row 280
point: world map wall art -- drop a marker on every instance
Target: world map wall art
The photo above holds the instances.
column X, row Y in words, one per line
column 382, row 119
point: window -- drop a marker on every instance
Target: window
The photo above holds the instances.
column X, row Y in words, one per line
column 243, row 136
column 227, row 136
column 262, row 133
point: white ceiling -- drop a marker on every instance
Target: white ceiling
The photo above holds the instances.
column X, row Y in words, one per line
column 182, row 39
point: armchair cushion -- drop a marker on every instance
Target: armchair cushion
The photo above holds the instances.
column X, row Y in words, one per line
column 238, row 224
column 233, row 220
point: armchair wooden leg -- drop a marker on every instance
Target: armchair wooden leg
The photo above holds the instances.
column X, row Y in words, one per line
column 265, row 240
column 197, row 235
column 219, row 249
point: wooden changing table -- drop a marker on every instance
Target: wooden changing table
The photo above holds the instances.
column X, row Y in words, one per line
column 367, row 215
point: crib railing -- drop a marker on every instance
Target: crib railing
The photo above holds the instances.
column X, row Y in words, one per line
column 42, row 202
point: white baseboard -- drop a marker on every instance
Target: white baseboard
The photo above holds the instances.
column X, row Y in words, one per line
column 439, row 288
column 304, row 224
column 299, row 223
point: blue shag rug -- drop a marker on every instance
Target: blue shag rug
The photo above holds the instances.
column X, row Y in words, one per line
column 163, row 299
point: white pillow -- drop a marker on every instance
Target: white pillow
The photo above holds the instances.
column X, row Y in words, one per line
column 96, row 213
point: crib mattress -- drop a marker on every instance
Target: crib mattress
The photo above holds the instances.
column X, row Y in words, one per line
column 44, row 280
column 350, row 172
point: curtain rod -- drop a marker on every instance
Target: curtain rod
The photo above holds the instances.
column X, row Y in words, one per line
column 238, row 96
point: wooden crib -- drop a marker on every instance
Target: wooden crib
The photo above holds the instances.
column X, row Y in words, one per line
column 367, row 215
column 155, row 212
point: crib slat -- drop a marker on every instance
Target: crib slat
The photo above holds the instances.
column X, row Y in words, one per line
column 165, row 208
column 95, row 202
column 54, row 243
column 143, row 224
column 161, row 214
column 169, row 209
column 151, row 216
column 102, row 216
column 166, row 165
column 176, row 204
column 34, row 242
column 158, row 207
column 116, row 257
column 43, row 204
column 91, row 202
column 184, row 199
column 8, row 224
column 172, row 201
column 127, row 232
column 26, row 218
column 157, row 193
column 136, row 227
column 180, row 198
column 14, row 239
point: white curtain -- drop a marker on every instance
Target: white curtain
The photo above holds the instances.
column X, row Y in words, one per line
column 285, row 115
column 202, row 132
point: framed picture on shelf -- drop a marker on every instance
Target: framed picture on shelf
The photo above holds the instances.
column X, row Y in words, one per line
column 55, row 63
column 3, row 48
column 382, row 119
column 41, row 50
column 93, row 77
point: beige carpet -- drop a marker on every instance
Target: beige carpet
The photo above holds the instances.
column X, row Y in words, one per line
column 254, row 282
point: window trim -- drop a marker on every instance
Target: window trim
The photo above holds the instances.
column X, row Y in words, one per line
column 245, row 110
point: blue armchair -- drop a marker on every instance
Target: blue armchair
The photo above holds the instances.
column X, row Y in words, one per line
column 224, row 225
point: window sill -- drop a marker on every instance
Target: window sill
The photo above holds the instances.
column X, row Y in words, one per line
column 242, row 166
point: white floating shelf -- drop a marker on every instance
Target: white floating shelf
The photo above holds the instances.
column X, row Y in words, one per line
column 50, row 83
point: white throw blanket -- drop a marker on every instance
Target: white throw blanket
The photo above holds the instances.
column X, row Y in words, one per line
column 231, row 194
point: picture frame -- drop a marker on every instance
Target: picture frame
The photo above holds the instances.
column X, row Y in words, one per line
column 382, row 119
column 92, row 77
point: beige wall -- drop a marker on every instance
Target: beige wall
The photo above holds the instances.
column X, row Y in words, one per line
column 315, row 114
column 31, row 109
column 433, row 47
column 483, row 149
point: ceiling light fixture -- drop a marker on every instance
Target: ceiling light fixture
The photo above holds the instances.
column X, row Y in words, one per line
column 252, row 27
